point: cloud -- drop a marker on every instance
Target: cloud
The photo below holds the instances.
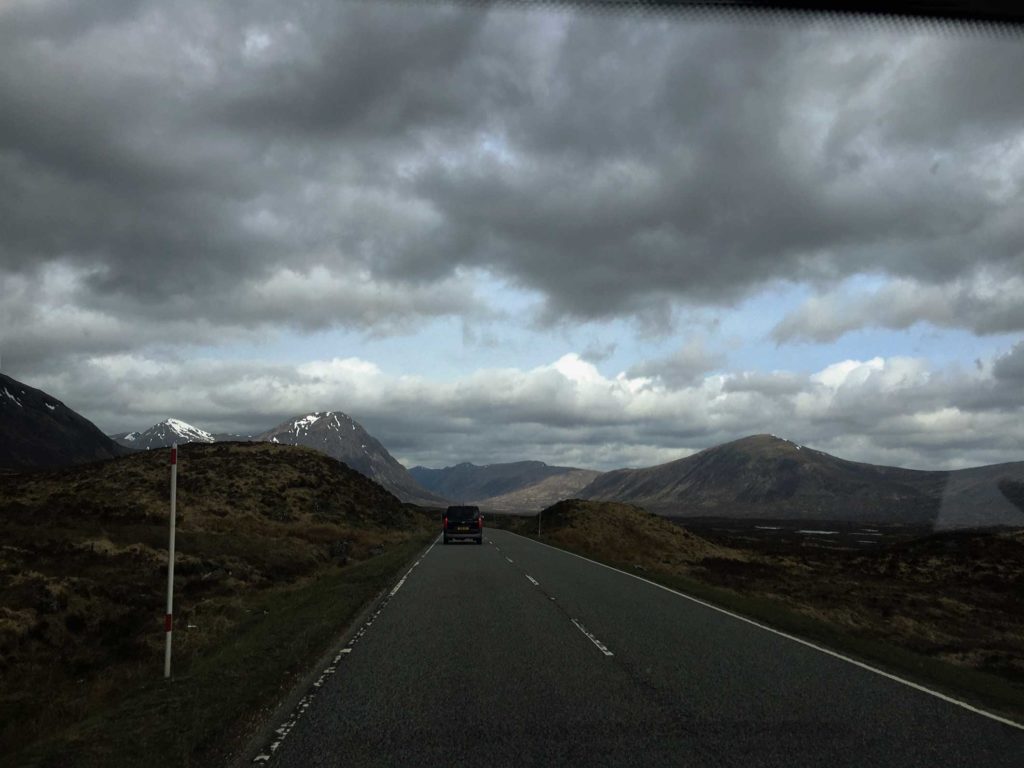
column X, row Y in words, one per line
column 774, row 383
column 900, row 410
column 685, row 366
column 56, row 314
column 984, row 303
column 176, row 155
column 195, row 176
column 595, row 352
column 1010, row 367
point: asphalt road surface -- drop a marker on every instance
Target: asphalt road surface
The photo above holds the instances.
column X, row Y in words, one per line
column 514, row 653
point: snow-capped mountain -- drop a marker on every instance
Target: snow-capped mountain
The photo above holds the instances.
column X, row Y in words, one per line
column 341, row 437
column 163, row 434
column 38, row 430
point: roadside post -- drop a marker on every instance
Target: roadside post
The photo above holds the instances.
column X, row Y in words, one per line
column 170, row 564
column 538, row 522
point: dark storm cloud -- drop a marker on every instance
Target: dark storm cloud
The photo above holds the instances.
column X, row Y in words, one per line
column 686, row 180
column 615, row 165
column 154, row 149
column 983, row 304
column 374, row 71
column 1009, row 368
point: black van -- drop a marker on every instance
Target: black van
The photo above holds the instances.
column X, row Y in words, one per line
column 463, row 523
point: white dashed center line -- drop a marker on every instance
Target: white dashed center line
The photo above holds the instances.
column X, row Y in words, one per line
column 509, row 559
column 532, row 580
column 601, row 646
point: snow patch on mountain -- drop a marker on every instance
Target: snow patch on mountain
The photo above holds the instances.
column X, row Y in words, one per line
column 164, row 434
column 305, row 422
column 186, row 431
column 329, row 420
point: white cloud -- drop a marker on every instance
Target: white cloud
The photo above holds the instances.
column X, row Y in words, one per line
column 568, row 411
column 986, row 302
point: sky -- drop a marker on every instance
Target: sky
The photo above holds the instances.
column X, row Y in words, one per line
column 502, row 232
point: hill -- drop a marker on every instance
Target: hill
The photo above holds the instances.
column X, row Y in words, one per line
column 341, row 437
column 766, row 476
column 83, row 566
column 544, row 493
column 518, row 485
column 38, row 430
column 612, row 531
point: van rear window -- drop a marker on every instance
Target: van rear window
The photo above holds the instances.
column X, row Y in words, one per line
column 463, row 513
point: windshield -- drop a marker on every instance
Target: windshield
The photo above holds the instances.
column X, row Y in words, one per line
column 643, row 383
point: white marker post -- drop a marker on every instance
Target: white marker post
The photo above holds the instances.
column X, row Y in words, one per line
column 538, row 522
column 170, row 564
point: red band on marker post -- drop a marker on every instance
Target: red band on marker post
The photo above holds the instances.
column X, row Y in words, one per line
column 167, row 622
column 174, row 455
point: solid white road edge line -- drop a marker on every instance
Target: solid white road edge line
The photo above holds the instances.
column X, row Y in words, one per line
column 304, row 703
column 794, row 638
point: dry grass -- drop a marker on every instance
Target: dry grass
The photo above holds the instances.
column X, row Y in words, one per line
column 83, row 565
column 604, row 528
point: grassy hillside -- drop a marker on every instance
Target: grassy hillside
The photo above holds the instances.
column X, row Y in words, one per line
column 262, row 530
column 607, row 529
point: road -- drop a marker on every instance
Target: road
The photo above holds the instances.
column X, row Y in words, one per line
column 514, row 653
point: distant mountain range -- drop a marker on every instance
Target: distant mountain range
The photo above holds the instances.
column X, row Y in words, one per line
column 514, row 486
column 768, row 477
column 470, row 482
column 762, row 476
column 38, row 430
column 331, row 432
column 542, row 494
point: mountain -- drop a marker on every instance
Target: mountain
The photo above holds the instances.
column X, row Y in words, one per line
column 766, row 476
column 341, row 437
column 542, row 494
column 471, row 482
column 163, row 434
column 38, row 430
